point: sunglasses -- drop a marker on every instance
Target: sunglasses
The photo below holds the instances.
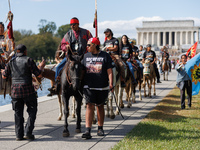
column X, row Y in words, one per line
column 73, row 24
column 89, row 45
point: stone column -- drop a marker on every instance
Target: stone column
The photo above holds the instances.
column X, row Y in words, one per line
column 138, row 38
column 164, row 38
column 192, row 37
column 170, row 38
column 181, row 37
column 198, row 36
column 175, row 38
column 186, row 36
column 152, row 39
column 147, row 38
column 142, row 38
column 158, row 38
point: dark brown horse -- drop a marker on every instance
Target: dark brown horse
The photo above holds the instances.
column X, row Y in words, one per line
column 71, row 86
column 165, row 68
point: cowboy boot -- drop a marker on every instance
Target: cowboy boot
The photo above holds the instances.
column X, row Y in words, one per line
column 55, row 89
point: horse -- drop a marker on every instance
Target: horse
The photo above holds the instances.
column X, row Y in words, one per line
column 132, row 88
column 165, row 68
column 118, row 94
column 149, row 75
column 71, row 86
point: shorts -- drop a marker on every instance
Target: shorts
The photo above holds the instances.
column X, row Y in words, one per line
column 95, row 96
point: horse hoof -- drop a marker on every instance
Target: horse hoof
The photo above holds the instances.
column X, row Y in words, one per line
column 112, row 117
column 66, row 133
column 78, row 130
column 117, row 113
column 59, row 119
column 128, row 106
column 108, row 116
column 150, row 96
column 154, row 94
column 122, row 106
column 73, row 116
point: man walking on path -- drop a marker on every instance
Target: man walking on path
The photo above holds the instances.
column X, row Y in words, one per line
column 98, row 71
column 21, row 69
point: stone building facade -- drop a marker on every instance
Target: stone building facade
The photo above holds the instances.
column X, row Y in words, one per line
column 174, row 33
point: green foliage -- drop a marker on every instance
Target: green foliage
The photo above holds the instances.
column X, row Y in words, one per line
column 41, row 45
column 20, row 34
column 47, row 27
column 62, row 30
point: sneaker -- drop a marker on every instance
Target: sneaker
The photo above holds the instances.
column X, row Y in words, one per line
column 159, row 81
column 19, row 139
column 30, row 137
column 100, row 132
column 87, row 135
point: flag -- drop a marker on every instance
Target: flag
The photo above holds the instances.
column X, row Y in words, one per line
column 192, row 51
column 193, row 70
column 95, row 20
column 10, row 30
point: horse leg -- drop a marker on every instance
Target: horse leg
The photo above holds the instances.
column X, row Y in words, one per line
column 144, row 85
column 139, row 86
column 65, row 99
column 94, row 121
column 78, row 113
column 127, row 95
column 73, row 107
column 117, row 100
column 60, row 107
column 154, row 84
column 120, row 97
column 149, row 86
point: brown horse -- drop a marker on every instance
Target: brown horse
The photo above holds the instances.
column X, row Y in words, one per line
column 165, row 68
column 149, row 77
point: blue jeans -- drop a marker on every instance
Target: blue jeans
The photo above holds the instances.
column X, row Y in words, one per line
column 131, row 69
column 60, row 67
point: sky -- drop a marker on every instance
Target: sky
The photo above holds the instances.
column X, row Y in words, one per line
column 121, row 16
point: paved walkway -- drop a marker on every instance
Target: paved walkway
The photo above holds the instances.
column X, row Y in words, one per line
column 48, row 131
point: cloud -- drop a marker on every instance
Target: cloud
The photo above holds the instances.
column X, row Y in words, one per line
column 120, row 27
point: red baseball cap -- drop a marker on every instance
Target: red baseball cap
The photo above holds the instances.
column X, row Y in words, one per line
column 95, row 40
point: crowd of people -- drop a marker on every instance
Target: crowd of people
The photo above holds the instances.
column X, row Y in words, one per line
column 97, row 66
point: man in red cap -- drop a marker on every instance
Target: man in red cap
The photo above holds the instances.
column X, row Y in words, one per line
column 75, row 42
column 97, row 82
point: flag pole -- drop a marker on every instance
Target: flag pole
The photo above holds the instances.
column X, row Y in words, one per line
column 96, row 28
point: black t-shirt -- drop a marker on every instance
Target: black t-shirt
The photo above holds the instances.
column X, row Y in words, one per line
column 126, row 51
column 111, row 43
column 150, row 55
column 95, row 66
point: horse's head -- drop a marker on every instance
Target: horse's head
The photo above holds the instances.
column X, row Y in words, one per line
column 74, row 71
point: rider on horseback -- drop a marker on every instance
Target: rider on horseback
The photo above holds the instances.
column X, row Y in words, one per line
column 165, row 55
column 75, row 42
column 112, row 46
column 151, row 55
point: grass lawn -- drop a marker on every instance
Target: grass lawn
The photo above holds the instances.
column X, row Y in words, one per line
column 167, row 127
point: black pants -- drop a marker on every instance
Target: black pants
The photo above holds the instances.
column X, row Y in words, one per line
column 188, row 87
column 18, row 107
column 156, row 70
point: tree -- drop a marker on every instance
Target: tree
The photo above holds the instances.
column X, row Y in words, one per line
column 20, row 34
column 47, row 27
column 41, row 45
column 62, row 30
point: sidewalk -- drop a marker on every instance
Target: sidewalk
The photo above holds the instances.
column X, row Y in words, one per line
column 48, row 131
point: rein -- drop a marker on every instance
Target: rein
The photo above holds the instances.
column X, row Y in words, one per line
column 67, row 73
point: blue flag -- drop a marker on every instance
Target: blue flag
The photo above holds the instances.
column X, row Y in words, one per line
column 193, row 70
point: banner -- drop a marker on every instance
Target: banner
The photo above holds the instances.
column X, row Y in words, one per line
column 192, row 51
column 193, row 70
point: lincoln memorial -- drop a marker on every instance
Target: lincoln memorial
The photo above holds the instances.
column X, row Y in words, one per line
column 175, row 33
